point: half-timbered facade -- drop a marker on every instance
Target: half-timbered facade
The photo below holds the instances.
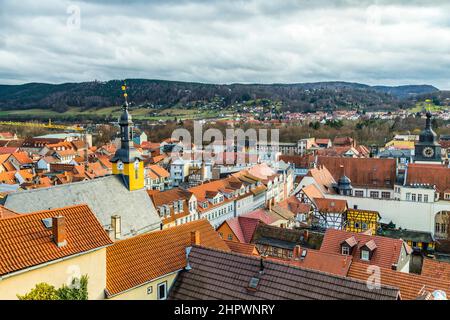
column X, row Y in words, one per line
column 362, row 220
column 329, row 213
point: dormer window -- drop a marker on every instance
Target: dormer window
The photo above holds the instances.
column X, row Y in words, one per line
column 345, row 250
column 348, row 245
column 365, row 255
column 367, row 250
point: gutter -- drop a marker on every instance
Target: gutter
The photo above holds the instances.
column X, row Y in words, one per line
column 11, row 274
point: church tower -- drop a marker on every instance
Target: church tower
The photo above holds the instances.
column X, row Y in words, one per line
column 428, row 150
column 128, row 161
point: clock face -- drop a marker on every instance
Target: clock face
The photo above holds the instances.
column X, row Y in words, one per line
column 120, row 165
column 136, row 164
column 428, row 152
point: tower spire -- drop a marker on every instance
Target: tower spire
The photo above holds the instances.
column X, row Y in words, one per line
column 127, row 160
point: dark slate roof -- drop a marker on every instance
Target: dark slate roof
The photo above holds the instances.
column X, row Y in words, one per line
column 222, row 275
column 412, row 235
column 395, row 153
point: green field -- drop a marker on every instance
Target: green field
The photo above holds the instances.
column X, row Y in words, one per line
column 137, row 113
column 427, row 105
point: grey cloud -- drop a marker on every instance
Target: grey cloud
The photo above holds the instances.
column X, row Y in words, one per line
column 375, row 42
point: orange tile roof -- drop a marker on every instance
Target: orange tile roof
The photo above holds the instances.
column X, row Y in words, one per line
column 387, row 253
column 4, row 157
column 9, row 166
column 135, row 261
column 8, row 177
column 161, row 172
column 202, row 190
column 410, row 284
column 436, row 269
column 26, row 242
column 323, row 178
column 167, row 198
column 104, row 160
column 26, row 174
column 311, row 191
column 242, row 248
column 6, row 213
column 22, row 157
column 62, row 144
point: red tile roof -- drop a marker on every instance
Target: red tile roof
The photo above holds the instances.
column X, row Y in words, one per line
column 436, row 269
column 8, row 150
column 387, row 253
column 343, row 141
column 135, row 261
column 330, row 205
column 410, row 284
column 363, row 172
column 294, row 205
column 298, row 161
column 326, row 262
column 26, row 242
column 243, row 227
column 429, row 174
column 261, row 215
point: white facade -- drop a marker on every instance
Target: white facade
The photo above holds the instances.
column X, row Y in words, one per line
column 219, row 214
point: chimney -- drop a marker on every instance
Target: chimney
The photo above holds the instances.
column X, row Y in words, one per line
column 116, row 225
column 195, row 238
column 59, row 231
column 261, row 264
column 305, row 235
column 296, row 252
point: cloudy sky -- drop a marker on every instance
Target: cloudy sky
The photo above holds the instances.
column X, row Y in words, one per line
column 372, row 41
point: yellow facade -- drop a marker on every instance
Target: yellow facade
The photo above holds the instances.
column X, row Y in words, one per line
column 61, row 272
column 420, row 245
column 361, row 220
column 400, row 144
column 148, row 291
column 135, row 176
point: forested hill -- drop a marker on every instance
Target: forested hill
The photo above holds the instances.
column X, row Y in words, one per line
column 164, row 94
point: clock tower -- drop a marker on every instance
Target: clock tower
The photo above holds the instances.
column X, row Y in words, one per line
column 428, row 150
column 128, row 161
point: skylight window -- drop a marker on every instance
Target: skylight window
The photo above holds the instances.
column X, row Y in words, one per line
column 253, row 283
column 47, row 223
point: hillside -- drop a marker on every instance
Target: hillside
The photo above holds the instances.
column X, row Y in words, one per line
column 160, row 94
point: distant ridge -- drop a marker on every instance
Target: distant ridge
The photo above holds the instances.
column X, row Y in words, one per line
column 163, row 94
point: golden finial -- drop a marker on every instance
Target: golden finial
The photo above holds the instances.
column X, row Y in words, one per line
column 124, row 89
column 125, row 94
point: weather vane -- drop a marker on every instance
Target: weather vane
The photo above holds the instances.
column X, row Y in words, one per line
column 124, row 89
